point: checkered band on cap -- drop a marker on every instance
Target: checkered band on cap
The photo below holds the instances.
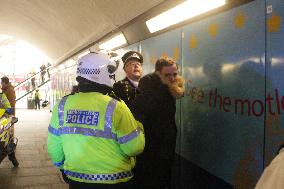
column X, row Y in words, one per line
column 88, row 71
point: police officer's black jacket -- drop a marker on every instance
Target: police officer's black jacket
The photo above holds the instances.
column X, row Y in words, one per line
column 155, row 108
column 126, row 91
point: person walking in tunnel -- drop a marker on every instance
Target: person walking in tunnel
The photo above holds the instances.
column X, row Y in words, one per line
column 9, row 91
column 32, row 74
column 127, row 89
column 42, row 72
column 47, row 69
column 93, row 136
column 37, row 99
column 155, row 107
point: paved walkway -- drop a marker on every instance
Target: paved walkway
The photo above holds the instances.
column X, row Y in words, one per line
column 35, row 170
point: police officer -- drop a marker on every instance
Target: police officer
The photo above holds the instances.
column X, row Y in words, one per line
column 93, row 136
column 126, row 89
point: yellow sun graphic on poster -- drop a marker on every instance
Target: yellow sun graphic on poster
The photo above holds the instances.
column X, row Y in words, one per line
column 240, row 20
column 165, row 55
column 153, row 59
column 192, row 42
column 176, row 54
column 213, row 30
column 274, row 23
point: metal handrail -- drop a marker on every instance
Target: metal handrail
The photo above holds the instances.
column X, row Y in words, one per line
column 29, row 78
column 32, row 90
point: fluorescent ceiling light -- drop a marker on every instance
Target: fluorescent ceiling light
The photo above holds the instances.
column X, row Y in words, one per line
column 114, row 42
column 182, row 12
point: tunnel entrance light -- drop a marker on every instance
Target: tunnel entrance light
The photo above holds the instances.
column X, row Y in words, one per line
column 184, row 11
column 114, row 42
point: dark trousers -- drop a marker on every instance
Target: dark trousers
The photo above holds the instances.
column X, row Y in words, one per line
column 3, row 155
column 12, row 156
column 81, row 185
column 78, row 185
column 149, row 177
column 37, row 104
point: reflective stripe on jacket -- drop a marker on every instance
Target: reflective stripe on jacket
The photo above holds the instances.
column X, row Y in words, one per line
column 92, row 137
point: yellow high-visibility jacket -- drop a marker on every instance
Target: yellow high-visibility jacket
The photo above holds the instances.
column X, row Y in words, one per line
column 93, row 138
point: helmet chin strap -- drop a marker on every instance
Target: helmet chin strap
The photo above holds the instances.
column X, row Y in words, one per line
column 112, row 77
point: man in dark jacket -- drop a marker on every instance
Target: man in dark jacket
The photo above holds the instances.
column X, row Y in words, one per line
column 126, row 89
column 155, row 108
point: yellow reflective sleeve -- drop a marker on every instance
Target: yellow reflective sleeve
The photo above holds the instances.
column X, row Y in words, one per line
column 54, row 144
column 129, row 132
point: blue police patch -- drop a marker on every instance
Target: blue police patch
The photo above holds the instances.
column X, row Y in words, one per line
column 83, row 117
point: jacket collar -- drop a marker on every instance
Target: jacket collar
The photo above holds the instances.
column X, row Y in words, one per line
column 129, row 81
column 94, row 87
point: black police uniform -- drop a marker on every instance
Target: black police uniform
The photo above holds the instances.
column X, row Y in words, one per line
column 126, row 91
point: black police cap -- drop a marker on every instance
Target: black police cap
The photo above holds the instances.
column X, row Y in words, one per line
column 130, row 55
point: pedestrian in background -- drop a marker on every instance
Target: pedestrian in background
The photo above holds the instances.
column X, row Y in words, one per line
column 47, row 69
column 42, row 72
column 37, row 99
column 32, row 73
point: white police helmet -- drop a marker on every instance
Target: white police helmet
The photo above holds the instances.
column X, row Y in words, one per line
column 98, row 67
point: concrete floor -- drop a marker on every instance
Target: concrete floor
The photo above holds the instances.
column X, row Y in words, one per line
column 35, row 170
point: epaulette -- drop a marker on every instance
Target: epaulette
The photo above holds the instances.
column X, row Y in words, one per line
column 121, row 82
column 113, row 95
column 125, row 82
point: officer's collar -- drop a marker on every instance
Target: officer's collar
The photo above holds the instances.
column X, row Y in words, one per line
column 94, row 87
column 134, row 83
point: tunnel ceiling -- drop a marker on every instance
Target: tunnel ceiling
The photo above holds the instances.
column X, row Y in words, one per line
column 62, row 27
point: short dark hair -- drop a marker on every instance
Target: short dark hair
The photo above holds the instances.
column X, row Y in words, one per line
column 162, row 62
column 5, row 80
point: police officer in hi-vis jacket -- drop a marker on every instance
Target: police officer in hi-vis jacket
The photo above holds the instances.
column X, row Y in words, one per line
column 127, row 89
column 93, row 136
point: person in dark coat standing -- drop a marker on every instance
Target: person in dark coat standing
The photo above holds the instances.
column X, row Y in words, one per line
column 126, row 89
column 155, row 107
